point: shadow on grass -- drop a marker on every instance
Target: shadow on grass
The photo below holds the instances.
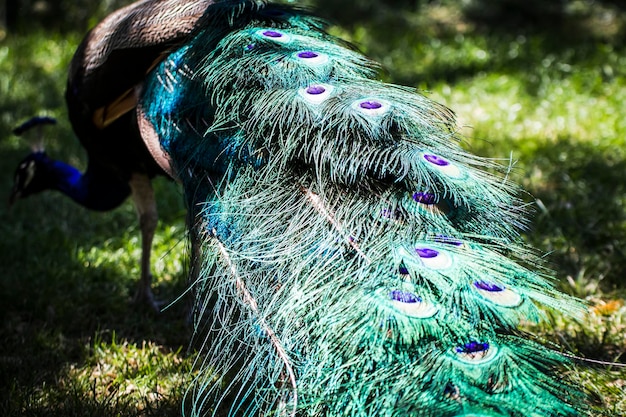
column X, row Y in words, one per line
column 581, row 193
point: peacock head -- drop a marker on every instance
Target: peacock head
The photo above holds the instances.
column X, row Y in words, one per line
column 31, row 176
column 32, row 173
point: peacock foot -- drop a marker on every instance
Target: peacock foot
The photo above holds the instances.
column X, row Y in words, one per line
column 145, row 297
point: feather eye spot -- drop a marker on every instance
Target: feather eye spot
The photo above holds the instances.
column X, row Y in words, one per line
column 424, row 198
column 412, row 305
column 404, row 297
column 307, row 55
column 444, row 166
column 498, row 294
column 488, row 286
column 249, row 47
column 429, row 203
column 312, row 58
column 436, row 160
column 315, row 90
column 273, row 35
column 476, row 352
column 434, row 259
column 426, row 253
column 316, row 93
column 371, row 106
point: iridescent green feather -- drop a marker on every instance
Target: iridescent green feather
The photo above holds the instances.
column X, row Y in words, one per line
column 355, row 260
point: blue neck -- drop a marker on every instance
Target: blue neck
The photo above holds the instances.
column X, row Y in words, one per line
column 68, row 180
column 96, row 189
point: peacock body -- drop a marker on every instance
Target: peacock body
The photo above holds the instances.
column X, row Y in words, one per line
column 352, row 259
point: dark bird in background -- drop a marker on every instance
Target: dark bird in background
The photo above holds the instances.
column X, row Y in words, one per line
column 107, row 67
column 111, row 176
column 352, row 259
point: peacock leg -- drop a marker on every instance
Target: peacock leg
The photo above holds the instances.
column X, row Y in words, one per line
column 145, row 203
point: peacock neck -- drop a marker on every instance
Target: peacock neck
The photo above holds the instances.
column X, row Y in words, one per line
column 95, row 189
column 69, row 180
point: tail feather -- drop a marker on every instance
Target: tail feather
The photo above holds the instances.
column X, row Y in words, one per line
column 355, row 260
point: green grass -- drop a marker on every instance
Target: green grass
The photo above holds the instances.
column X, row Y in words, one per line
column 547, row 96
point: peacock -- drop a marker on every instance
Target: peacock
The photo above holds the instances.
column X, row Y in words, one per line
column 119, row 164
column 351, row 258
column 109, row 179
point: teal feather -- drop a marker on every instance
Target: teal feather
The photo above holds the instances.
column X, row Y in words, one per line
column 355, row 261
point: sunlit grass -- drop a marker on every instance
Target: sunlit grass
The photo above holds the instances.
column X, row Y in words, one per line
column 116, row 379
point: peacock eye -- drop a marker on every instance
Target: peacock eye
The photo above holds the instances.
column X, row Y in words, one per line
column 434, row 259
column 317, row 93
column 404, row 297
column 436, row 160
column 273, row 35
column 487, row 286
column 371, row 106
column 424, row 198
column 411, row 304
column 472, row 347
column 307, row 55
column 315, row 89
column 498, row 294
column 444, row 166
column 312, row 58
column 30, row 173
column 426, row 253
column 476, row 352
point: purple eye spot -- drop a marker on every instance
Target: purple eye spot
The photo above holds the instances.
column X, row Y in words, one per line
column 250, row 47
column 404, row 297
column 424, row 198
column 403, row 270
column 436, row 160
column 272, row 34
column 315, row 90
column 426, row 253
column 487, row 286
column 307, row 55
column 370, row 105
column 472, row 347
